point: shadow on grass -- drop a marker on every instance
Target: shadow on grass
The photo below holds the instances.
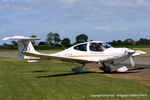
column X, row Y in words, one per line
column 66, row 74
column 115, row 72
column 43, row 71
column 138, row 65
column 71, row 74
column 38, row 71
column 140, row 68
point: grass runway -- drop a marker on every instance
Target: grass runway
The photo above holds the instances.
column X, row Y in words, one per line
column 54, row 80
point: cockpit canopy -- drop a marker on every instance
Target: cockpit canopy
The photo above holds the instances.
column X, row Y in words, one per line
column 95, row 46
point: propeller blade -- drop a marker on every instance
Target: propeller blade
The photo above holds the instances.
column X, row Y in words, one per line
column 132, row 61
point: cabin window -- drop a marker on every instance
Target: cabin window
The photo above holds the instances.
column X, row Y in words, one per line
column 97, row 47
column 82, row 47
column 106, row 46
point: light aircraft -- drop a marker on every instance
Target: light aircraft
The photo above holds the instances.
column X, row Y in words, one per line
column 89, row 52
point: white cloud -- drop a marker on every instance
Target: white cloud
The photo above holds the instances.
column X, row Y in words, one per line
column 143, row 2
column 83, row 10
column 3, row 31
column 13, row 5
column 28, row 1
column 5, row 0
column 124, row 3
column 68, row 1
column 108, row 28
column 62, row 32
column 9, row 0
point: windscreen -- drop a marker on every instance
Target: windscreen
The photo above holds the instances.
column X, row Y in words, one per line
column 106, row 45
column 99, row 47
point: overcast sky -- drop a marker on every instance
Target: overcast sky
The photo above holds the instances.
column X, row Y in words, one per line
column 103, row 20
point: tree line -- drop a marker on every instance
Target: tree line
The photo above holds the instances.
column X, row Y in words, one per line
column 130, row 42
column 54, row 40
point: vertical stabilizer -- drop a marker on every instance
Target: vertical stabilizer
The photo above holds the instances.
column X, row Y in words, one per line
column 24, row 45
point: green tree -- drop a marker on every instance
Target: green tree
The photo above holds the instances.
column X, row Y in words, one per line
column 66, row 42
column 42, row 43
column 50, row 38
column 5, row 44
column 81, row 38
column 113, row 43
column 129, row 41
column 143, row 41
column 33, row 41
column 14, row 43
column 56, row 38
column 119, row 42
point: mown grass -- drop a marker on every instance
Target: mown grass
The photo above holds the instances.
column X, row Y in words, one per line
column 8, row 51
column 136, row 46
column 20, row 80
column 13, row 51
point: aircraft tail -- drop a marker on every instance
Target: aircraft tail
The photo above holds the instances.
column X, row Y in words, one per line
column 24, row 45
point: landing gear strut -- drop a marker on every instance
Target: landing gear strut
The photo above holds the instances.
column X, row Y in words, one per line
column 105, row 68
column 78, row 69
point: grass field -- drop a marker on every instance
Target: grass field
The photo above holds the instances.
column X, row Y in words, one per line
column 20, row 80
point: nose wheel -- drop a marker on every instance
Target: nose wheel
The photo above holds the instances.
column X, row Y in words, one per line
column 122, row 69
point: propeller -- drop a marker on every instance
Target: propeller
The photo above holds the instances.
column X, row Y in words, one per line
column 130, row 52
column 132, row 61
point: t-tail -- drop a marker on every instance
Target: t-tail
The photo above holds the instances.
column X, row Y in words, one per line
column 24, row 45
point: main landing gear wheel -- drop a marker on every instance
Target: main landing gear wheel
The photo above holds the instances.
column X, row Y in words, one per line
column 106, row 69
column 78, row 69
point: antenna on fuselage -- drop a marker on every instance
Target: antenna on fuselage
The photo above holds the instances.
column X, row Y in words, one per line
column 63, row 46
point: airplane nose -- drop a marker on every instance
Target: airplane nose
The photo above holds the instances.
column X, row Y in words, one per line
column 130, row 51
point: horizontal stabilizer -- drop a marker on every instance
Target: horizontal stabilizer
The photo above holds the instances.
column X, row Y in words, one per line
column 24, row 44
column 20, row 38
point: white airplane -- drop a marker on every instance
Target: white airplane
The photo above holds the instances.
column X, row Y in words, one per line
column 89, row 52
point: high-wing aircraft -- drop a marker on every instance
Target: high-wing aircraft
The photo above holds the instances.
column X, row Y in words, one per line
column 89, row 52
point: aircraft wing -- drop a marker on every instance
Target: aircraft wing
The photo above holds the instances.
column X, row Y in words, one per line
column 51, row 57
column 138, row 52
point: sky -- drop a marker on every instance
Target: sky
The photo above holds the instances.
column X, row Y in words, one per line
column 103, row 20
